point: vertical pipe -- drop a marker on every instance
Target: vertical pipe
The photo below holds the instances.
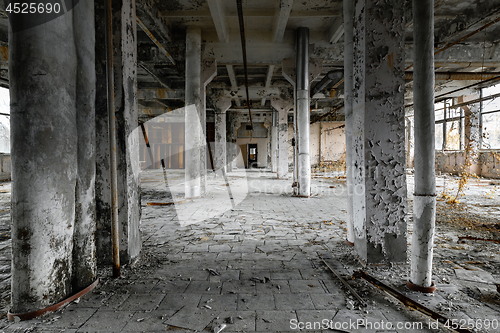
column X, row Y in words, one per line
column 348, row 8
column 115, row 236
column 194, row 131
column 424, row 209
column 303, row 116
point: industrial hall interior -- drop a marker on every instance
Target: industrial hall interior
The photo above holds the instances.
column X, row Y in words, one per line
column 250, row 166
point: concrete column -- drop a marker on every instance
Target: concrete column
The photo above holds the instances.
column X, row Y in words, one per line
column 127, row 139
column 84, row 243
column 379, row 196
column 232, row 149
column 193, row 113
column 49, row 207
column 282, row 106
column 207, row 74
column 424, row 199
column 303, row 113
column 472, row 136
column 348, row 95
column 274, row 143
column 222, row 104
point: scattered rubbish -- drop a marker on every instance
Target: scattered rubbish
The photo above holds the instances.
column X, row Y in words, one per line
column 76, row 301
column 208, row 289
column 278, row 286
column 207, row 306
column 360, row 300
column 240, row 317
column 210, row 300
column 213, row 272
column 264, row 280
column 478, row 239
column 407, row 301
column 229, row 320
column 140, row 319
column 266, row 320
column 219, row 328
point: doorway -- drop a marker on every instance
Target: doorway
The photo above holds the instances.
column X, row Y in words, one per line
column 252, row 156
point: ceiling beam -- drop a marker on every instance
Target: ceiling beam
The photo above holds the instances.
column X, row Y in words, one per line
column 284, row 9
column 175, row 14
column 234, row 82
column 154, row 40
column 335, row 31
column 270, row 72
column 218, row 13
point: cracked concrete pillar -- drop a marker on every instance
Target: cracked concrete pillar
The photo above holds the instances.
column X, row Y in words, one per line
column 472, row 135
column 127, row 139
column 231, row 147
column 303, row 114
column 348, row 9
column 52, row 109
column 207, row 74
column 424, row 198
column 282, row 106
column 193, row 114
column 274, row 143
column 222, row 104
column 379, row 193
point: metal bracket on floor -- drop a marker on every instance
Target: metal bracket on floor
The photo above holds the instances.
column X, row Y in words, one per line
column 408, row 301
column 344, row 282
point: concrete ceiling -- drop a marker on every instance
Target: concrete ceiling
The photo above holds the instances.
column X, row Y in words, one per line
column 270, row 34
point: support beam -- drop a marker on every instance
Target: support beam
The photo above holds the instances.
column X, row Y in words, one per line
column 424, row 199
column 221, row 105
column 282, row 106
column 379, row 197
column 348, row 111
column 281, row 20
column 154, row 40
column 52, row 127
column 234, row 82
column 269, row 76
column 193, row 113
column 274, row 143
column 336, row 30
column 207, row 74
column 218, row 12
column 303, row 113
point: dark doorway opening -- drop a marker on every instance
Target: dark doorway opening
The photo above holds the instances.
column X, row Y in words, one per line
column 252, row 156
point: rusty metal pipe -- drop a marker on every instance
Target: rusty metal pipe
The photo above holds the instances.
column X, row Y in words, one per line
column 154, row 40
column 115, row 236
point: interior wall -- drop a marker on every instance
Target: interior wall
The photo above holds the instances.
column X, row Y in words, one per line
column 451, row 162
column 330, row 146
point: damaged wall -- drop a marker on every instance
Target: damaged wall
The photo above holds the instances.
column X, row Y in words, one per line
column 451, row 162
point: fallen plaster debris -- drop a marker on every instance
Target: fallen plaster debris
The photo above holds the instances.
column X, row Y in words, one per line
column 407, row 301
column 219, row 328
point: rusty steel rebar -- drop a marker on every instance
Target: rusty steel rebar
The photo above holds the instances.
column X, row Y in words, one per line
column 407, row 301
column 115, row 236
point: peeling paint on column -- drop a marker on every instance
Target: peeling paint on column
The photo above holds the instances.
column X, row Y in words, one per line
column 221, row 105
column 283, row 104
column 379, row 192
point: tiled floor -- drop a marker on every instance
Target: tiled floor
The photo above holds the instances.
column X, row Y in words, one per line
column 252, row 264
